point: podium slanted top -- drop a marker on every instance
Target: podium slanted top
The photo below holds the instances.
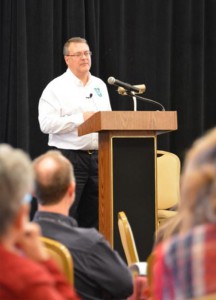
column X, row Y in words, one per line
column 130, row 120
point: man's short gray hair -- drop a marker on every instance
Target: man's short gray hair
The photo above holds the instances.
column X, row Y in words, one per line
column 73, row 40
column 16, row 179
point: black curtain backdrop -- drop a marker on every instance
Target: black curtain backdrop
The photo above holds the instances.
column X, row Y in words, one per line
column 169, row 45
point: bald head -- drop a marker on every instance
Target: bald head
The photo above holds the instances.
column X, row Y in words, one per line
column 54, row 174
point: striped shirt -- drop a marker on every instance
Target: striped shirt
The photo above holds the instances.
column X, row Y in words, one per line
column 185, row 265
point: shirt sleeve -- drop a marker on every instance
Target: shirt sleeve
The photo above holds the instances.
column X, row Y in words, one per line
column 117, row 279
column 50, row 117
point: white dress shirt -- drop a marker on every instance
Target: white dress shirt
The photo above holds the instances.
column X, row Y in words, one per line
column 61, row 108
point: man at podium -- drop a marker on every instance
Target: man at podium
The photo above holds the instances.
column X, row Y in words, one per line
column 66, row 102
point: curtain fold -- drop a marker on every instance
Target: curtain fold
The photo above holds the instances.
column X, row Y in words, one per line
column 168, row 45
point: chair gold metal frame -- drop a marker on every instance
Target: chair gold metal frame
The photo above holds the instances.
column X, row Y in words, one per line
column 127, row 239
column 61, row 255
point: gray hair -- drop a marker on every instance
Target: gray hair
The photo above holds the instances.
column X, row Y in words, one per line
column 16, row 179
column 72, row 40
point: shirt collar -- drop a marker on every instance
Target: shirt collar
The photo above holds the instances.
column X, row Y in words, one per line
column 75, row 79
column 55, row 216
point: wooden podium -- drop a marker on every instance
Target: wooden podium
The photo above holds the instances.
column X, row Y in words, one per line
column 127, row 168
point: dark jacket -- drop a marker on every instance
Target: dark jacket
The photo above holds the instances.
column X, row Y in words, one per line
column 99, row 271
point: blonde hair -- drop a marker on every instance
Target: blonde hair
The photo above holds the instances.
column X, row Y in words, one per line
column 198, row 182
column 168, row 229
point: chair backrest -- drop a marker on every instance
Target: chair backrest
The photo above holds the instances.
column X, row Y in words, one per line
column 61, row 255
column 168, row 179
column 127, row 239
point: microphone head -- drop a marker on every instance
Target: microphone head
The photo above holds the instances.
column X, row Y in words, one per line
column 111, row 80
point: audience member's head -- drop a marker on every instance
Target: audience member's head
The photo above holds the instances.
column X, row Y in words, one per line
column 16, row 182
column 198, row 183
column 55, row 179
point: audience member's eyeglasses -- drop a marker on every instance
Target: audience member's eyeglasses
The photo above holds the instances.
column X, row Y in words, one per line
column 27, row 198
column 80, row 54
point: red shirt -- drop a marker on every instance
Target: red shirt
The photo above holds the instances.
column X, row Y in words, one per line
column 24, row 279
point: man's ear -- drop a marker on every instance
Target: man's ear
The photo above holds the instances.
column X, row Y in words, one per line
column 66, row 59
column 22, row 217
column 71, row 188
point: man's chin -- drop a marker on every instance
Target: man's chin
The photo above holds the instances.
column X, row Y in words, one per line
column 85, row 66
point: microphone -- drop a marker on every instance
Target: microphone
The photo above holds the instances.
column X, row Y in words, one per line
column 126, row 89
column 89, row 97
column 122, row 91
column 138, row 89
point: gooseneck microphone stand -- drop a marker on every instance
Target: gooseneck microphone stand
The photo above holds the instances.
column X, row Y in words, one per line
column 135, row 97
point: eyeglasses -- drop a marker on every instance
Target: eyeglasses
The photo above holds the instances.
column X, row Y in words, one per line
column 27, row 198
column 80, row 54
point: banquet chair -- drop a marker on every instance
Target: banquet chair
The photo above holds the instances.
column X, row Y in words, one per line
column 61, row 255
column 138, row 268
column 127, row 239
column 168, row 184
